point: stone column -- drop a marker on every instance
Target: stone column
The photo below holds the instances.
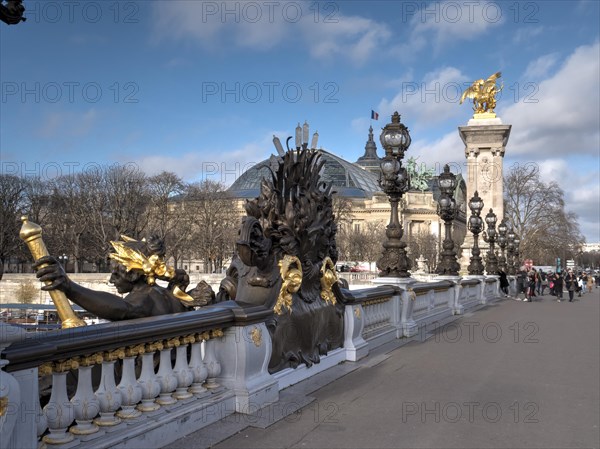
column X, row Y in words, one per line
column 485, row 143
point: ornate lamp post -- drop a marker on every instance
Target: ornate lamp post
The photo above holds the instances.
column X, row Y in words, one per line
column 475, row 226
column 63, row 260
column 491, row 266
column 502, row 241
column 510, row 252
column 12, row 13
column 447, row 211
column 516, row 263
column 394, row 181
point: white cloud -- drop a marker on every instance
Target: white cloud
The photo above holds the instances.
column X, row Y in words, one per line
column 540, row 67
column 432, row 100
column 262, row 26
column 526, row 34
column 450, row 23
column 350, row 37
column 223, row 165
column 448, row 149
column 68, row 124
column 562, row 117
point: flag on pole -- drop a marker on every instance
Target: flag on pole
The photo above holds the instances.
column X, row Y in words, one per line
column 374, row 115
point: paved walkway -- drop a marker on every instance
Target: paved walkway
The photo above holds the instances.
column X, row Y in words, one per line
column 511, row 375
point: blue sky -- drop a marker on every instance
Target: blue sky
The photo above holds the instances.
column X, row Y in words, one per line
column 199, row 88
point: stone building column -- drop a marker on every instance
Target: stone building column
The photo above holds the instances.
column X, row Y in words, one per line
column 485, row 143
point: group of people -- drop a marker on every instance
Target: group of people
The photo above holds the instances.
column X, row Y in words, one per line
column 533, row 283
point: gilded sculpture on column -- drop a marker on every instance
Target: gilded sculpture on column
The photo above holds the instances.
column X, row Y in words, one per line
column 483, row 93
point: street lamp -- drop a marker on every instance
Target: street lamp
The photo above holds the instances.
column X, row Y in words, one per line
column 12, row 13
column 475, row 226
column 516, row 263
column 447, row 211
column 511, row 252
column 502, row 242
column 394, row 182
column 63, row 260
column 491, row 266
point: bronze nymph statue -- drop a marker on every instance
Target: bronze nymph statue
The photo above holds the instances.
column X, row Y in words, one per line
column 135, row 268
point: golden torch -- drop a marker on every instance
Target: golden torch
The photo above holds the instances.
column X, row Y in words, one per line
column 31, row 234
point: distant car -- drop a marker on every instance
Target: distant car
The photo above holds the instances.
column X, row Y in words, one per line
column 358, row 269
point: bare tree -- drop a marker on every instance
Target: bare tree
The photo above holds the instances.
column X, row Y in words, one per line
column 342, row 210
column 215, row 222
column 365, row 241
column 12, row 203
column 536, row 210
column 117, row 204
column 426, row 244
column 168, row 217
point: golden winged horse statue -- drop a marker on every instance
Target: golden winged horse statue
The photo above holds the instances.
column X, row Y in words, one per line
column 483, row 94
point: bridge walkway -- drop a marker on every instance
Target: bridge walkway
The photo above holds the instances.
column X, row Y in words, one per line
column 510, row 375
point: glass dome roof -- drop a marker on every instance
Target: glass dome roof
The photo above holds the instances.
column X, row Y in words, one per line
column 349, row 180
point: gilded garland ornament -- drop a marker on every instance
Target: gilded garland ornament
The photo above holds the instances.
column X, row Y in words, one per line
column 290, row 269
column 328, row 279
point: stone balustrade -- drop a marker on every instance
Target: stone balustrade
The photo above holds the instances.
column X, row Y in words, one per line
column 150, row 381
column 105, row 388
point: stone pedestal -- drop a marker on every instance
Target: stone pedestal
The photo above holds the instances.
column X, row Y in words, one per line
column 245, row 353
column 454, row 302
column 407, row 326
column 485, row 141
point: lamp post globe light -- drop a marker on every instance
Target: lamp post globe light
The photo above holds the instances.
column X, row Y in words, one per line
column 502, row 242
column 12, row 13
column 63, row 260
column 394, row 181
column 516, row 263
column 475, row 226
column 446, row 209
column 491, row 266
column 510, row 251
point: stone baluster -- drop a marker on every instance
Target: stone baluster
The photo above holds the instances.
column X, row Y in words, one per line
column 59, row 410
column 42, row 422
column 148, row 380
column 210, row 359
column 366, row 314
column 131, row 391
column 165, row 376
column 108, row 394
column 197, row 365
column 85, row 403
column 182, row 370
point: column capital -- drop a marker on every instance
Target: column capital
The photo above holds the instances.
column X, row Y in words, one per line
column 471, row 151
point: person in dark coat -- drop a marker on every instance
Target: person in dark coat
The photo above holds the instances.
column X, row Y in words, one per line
column 503, row 282
column 558, row 286
column 571, row 284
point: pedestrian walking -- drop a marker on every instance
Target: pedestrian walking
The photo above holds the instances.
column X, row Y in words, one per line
column 503, row 282
column 531, row 284
column 558, row 286
column 571, row 284
column 522, row 283
column 544, row 281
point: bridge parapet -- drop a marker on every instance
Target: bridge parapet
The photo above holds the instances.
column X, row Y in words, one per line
column 119, row 399
column 150, row 381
